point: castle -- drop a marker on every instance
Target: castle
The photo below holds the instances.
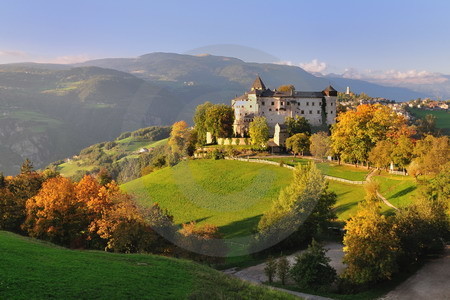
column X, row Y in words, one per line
column 319, row 108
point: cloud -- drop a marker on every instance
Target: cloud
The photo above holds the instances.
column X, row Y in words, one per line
column 314, row 66
column 393, row 77
column 13, row 53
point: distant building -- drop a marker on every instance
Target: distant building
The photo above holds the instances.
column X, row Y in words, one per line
column 347, row 91
column 319, row 108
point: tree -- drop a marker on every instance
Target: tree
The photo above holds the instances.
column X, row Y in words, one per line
column 357, row 131
column 431, row 154
column 21, row 188
column 259, row 132
column 200, row 121
column 2, row 180
column 286, row 88
column 427, row 126
column 219, row 120
column 179, row 137
column 380, row 155
column 301, row 208
column 319, row 144
column 283, row 269
column 371, row 245
column 402, row 151
column 270, row 269
column 27, row 167
column 298, row 143
column 55, row 214
column 296, row 125
column 312, row 268
column 104, row 177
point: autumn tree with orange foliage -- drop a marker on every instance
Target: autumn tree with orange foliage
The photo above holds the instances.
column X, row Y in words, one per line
column 56, row 214
column 90, row 215
column 358, row 131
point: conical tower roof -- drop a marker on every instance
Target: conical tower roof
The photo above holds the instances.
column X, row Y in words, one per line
column 258, row 84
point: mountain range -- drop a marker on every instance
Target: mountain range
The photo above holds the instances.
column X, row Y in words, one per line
column 50, row 111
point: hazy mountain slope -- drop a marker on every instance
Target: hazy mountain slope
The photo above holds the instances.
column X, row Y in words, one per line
column 47, row 115
column 219, row 72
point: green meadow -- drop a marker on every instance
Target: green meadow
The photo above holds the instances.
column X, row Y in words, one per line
column 32, row 269
column 330, row 169
column 231, row 194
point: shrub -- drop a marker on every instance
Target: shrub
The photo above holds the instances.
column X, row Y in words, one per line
column 312, row 268
column 283, row 269
column 270, row 269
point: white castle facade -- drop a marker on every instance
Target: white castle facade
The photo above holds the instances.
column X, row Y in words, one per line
column 319, row 108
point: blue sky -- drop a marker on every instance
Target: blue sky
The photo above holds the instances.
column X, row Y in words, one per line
column 368, row 37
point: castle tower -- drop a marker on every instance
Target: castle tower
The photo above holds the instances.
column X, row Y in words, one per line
column 258, row 85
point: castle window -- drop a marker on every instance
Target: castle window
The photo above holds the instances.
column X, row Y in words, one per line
column 288, row 103
column 312, row 104
column 331, row 112
column 273, row 103
column 245, row 114
column 307, row 103
column 276, row 109
column 310, row 112
column 318, row 112
column 282, row 103
column 298, row 103
column 250, row 106
column 270, row 109
column 263, row 103
column 331, row 104
column 303, row 112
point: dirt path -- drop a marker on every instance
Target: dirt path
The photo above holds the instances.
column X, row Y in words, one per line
column 432, row 281
column 256, row 274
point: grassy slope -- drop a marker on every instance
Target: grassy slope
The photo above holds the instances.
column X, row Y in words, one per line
column 233, row 195
column 230, row 194
column 128, row 145
column 442, row 121
column 330, row 169
column 31, row 269
column 399, row 190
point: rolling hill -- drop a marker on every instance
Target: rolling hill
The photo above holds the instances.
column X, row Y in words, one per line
column 234, row 194
column 32, row 269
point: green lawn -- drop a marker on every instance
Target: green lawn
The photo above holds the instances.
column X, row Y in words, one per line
column 330, row 169
column 442, row 117
column 69, row 169
column 398, row 190
column 31, row 269
column 349, row 195
column 229, row 194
